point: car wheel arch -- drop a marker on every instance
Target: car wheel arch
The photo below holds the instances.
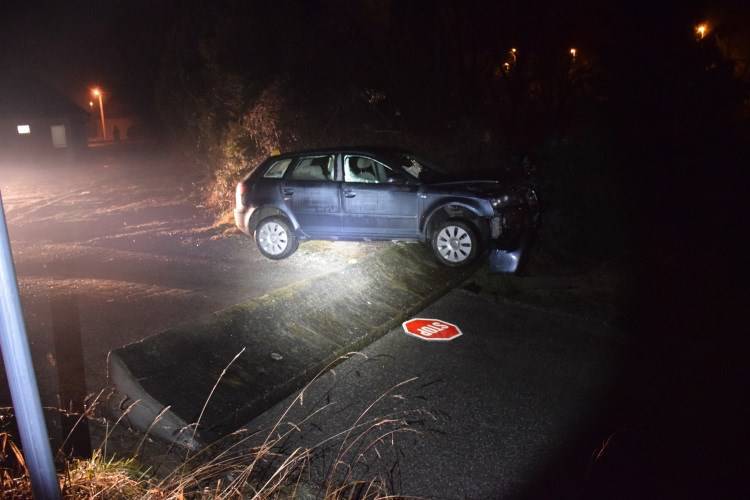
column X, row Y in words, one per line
column 267, row 211
column 451, row 210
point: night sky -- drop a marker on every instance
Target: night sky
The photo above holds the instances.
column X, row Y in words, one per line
column 74, row 45
column 119, row 45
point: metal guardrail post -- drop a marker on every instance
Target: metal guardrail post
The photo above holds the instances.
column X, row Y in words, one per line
column 21, row 378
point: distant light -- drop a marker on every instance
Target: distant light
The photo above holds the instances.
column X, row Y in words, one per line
column 701, row 30
column 91, row 104
column 573, row 52
column 513, row 50
column 23, row 129
column 96, row 92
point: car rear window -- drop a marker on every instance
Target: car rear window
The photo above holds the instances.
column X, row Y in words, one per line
column 277, row 170
column 314, row 168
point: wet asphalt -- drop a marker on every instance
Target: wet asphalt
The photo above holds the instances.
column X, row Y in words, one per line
column 509, row 409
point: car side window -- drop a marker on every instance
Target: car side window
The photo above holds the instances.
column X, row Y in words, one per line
column 314, row 168
column 278, row 169
column 364, row 169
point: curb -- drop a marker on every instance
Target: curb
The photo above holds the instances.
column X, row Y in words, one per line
column 287, row 337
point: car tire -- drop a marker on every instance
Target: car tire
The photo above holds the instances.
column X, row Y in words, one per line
column 455, row 243
column 275, row 238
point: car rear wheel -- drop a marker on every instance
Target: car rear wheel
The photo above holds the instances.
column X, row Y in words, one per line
column 275, row 238
column 454, row 243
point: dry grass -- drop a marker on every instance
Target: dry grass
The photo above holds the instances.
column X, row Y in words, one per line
column 234, row 467
column 91, row 478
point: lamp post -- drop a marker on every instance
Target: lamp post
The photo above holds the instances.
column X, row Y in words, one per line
column 98, row 93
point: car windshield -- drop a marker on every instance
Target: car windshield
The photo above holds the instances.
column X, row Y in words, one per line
column 420, row 169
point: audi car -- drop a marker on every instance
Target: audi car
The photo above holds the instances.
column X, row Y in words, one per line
column 366, row 194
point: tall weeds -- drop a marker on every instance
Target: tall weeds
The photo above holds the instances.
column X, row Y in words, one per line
column 261, row 465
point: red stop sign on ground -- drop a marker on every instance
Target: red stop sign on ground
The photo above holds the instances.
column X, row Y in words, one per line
column 431, row 329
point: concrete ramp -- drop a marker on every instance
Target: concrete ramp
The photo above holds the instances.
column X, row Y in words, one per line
column 288, row 336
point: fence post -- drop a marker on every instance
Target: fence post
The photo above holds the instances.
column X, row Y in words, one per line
column 21, row 378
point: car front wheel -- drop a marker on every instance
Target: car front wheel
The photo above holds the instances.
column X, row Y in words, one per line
column 454, row 243
column 275, row 238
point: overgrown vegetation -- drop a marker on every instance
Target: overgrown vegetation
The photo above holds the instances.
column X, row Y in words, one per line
column 368, row 75
column 474, row 89
column 91, row 478
column 262, row 465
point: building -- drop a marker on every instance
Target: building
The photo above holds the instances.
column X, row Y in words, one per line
column 120, row 127
column 38, row 123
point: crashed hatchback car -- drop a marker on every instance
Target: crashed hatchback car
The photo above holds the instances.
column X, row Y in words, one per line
column 383, row 194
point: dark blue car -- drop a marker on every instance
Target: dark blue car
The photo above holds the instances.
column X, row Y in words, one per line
column 382, row 194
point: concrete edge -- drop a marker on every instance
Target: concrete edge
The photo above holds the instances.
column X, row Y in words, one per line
column 154, row 418
column 146, row 413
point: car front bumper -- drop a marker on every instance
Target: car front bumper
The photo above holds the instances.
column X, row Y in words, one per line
column 511, row 230
column 506, row 261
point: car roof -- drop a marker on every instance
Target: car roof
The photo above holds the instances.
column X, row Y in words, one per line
column 372, row 150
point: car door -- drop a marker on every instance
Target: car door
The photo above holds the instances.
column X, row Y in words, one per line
column 311, row 192
column 378, row 201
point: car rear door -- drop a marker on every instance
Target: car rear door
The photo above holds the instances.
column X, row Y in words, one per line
column 311, row 193
column 377, row 201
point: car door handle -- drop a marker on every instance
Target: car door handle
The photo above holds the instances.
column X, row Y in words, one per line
column 288, row 192
column 348, row 193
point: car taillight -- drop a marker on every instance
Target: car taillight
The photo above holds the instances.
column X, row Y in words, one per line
column 242, row 188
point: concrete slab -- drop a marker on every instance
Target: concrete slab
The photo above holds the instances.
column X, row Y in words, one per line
column 288, row 336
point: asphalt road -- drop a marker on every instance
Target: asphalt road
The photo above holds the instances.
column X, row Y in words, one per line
column 509, row 409
column 116, row 247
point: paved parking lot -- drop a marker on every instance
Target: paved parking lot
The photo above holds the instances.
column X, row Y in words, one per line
column 122, row 239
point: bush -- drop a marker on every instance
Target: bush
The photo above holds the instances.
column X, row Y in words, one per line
column 242, row 145
column 582, row 199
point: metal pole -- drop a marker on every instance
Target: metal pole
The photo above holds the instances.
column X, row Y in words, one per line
column 21, row 378
column 101, row 114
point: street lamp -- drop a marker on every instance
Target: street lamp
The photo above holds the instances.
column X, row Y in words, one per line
column 573, row 53
column 98, row 94
column 701, row 30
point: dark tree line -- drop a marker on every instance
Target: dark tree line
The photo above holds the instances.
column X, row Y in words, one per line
column 642, row 98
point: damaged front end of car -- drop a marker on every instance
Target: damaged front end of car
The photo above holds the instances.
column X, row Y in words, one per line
column 516, row 219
